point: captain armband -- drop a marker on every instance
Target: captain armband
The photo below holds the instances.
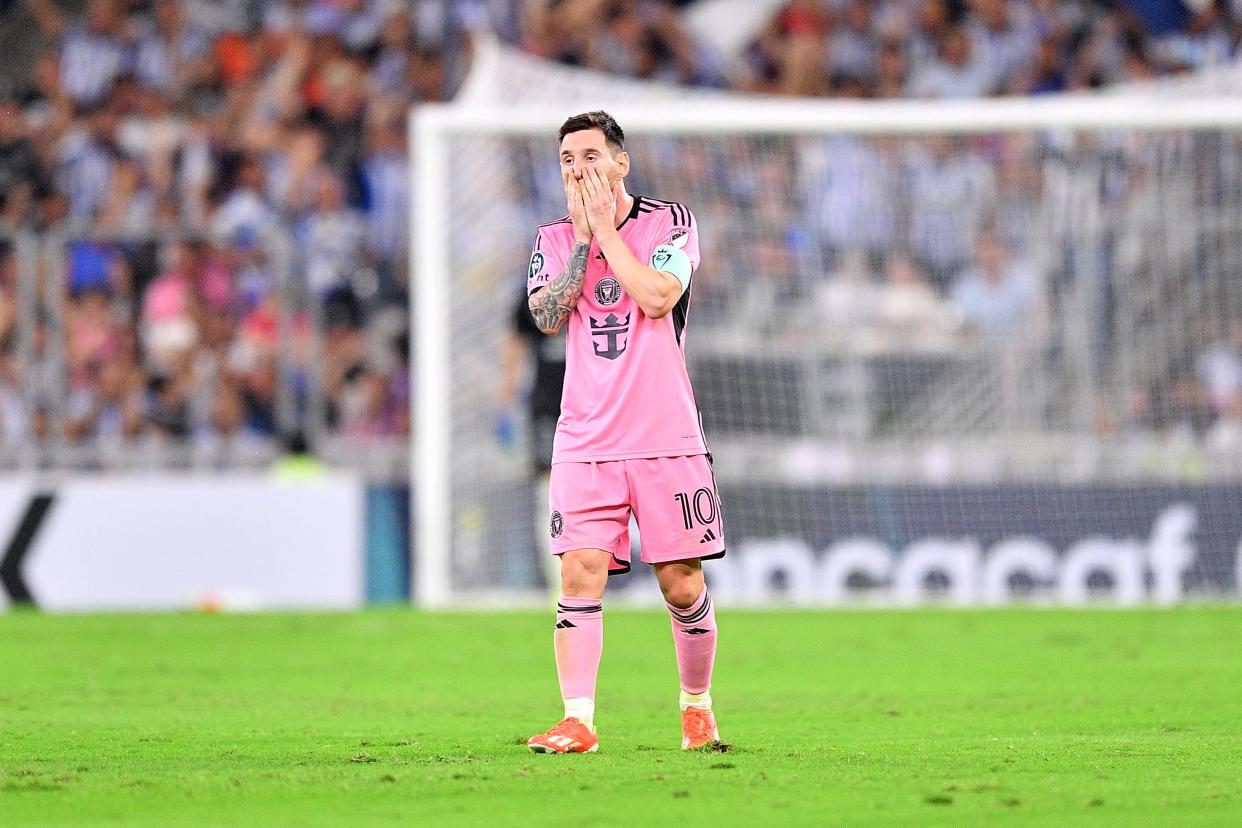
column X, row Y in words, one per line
column 672, row 260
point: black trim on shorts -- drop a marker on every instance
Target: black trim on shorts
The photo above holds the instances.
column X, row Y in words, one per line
column 711, row 557
column 615, row 560
column 628, row 567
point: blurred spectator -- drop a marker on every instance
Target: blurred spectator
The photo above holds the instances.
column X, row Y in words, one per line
column 1204, row 39
column 908, row 309
column 227, row 415
column 14, row 415
column 850, row 182
column 1176, row 406
column 368, row 409
column 1219, row 368
column 169, row 329
column 956, row 71
column 1046, row 74
column 892, row 69
column 172, row 56
column 999, row 297
column 338, row 113
column 386, row 195
column 332, row 237
column 21, row 177
column 245, row 210
column 952, row 190
column 106, row 402
column 852, row 44
column 94, row 51
column 168, row 404
column 1001, row 33
column 90, row 153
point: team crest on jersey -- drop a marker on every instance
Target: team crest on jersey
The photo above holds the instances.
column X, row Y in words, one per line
column 536, row 265
column 609, row 335
column 680, row 236
column 608, row 291
column 558, row 525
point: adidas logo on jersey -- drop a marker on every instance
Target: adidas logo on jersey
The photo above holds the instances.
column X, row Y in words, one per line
column 709, row 535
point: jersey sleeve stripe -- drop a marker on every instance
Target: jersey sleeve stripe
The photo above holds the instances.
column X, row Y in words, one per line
column 678, row 210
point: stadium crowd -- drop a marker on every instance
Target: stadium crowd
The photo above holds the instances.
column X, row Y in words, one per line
column 226, row 170
column 897, row 48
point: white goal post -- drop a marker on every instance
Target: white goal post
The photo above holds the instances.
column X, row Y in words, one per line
column 438, row 179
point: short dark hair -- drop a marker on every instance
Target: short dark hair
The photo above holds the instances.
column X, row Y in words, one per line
column 598, row 119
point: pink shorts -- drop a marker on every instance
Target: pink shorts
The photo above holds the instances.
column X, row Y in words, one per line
column 674, row 500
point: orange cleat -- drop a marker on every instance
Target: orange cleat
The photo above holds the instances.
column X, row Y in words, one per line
column 699, row 732
column 568, row 736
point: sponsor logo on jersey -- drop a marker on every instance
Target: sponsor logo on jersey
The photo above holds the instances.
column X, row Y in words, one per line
column 536, row 265
column 608, row 291
column 609, row 335
column 680, row 236
column 557, row 525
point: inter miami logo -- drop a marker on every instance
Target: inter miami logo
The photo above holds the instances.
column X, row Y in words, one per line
column 609, row 334
column 679, row 237
column 536, row 265
column 608, row 291
column 558, row 525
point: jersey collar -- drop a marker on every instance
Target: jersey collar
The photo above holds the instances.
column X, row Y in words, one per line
column 633, row 212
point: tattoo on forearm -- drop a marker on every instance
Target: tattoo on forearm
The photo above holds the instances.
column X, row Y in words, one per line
column 552, row 304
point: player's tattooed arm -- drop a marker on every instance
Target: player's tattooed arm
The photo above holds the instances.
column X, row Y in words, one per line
column 552, row 304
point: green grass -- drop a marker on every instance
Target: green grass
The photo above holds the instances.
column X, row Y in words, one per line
column 1019, row 717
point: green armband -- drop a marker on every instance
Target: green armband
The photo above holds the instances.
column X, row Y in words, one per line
column 674, row 261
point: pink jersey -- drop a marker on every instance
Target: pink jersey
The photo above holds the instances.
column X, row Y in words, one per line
column 627, row 394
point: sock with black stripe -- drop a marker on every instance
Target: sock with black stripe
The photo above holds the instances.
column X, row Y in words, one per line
column 579, row 642
column 694, row 635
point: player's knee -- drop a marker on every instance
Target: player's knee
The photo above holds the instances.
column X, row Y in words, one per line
column 682, row 591
column 583, row 576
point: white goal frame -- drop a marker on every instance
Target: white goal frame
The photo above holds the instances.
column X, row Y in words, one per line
column 432, row 126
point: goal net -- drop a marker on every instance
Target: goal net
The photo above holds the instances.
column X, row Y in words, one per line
column 969, row 352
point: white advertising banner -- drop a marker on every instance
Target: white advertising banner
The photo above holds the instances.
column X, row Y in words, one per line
column 170, row 542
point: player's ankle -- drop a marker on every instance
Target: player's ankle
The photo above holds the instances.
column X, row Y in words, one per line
column 703, row 700
column 581, row 709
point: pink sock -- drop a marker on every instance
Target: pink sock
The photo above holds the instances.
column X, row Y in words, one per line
column 579, row 640
column 694, row 634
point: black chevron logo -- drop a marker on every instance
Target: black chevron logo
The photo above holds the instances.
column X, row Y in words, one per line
column 11, row 563
column 709, row 535
column 696, row 631
column 566, row 624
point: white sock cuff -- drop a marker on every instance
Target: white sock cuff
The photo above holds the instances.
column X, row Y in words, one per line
column 581, row 709
column 703, row 700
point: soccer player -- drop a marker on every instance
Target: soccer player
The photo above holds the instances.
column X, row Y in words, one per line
column 617, row 270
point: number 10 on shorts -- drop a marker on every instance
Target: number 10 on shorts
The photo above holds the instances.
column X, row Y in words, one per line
column 701, row 506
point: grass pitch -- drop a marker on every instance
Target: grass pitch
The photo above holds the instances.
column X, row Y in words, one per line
column 1021, row 717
